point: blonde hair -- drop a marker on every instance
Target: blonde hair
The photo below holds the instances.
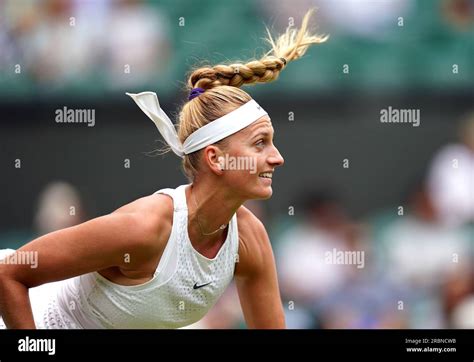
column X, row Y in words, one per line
column 222, row 82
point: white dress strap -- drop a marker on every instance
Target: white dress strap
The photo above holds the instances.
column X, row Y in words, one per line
column 178, row 195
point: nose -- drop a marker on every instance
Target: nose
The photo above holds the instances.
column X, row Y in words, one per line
column 276, row 158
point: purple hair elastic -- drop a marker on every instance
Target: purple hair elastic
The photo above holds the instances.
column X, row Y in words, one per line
column 195, row 92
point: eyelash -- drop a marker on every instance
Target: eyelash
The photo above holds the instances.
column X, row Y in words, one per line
column 260, row 142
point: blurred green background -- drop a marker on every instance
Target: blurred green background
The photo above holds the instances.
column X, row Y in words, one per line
column 388, row 45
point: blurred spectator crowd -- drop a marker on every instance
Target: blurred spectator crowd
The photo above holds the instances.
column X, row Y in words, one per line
column 54, row 43
column 59, row 45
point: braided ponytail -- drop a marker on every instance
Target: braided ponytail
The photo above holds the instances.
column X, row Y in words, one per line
column 221, row 85
column 288, row 47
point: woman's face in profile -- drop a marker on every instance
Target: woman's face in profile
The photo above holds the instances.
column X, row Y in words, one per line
column 249, row 159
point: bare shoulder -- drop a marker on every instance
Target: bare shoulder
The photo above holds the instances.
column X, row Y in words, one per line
column 249, row 224
column 160, row 203
column 154, row 215
column 254, row 244
column 138, row 230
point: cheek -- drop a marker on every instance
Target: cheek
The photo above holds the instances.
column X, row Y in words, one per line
column 241, row 150
column 245, row 160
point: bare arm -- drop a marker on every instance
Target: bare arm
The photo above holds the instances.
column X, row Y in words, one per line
column 122, row 239
column 256, row 279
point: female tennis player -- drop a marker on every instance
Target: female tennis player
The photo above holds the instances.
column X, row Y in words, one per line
column 162, row 261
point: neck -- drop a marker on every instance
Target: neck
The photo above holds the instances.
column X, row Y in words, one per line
column 214, row 208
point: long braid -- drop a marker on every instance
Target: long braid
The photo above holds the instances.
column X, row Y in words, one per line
column 288, row 47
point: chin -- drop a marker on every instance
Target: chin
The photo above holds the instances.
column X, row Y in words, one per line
column 264, row 194
column 264, row 190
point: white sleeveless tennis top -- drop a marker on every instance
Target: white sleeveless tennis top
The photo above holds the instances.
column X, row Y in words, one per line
column 184, row 287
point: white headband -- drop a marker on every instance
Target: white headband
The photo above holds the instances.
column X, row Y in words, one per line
column 207, row 135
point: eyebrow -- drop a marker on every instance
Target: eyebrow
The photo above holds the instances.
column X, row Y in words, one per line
column 262, row 133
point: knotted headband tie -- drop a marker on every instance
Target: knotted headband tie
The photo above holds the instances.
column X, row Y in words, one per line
column 211, row 133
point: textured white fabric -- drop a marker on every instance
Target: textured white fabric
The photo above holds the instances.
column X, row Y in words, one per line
column 207, row 135
column 169, row 300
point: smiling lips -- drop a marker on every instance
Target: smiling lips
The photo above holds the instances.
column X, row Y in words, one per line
column 266, row 175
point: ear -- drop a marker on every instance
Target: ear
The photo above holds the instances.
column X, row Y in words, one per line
column 214, row 159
